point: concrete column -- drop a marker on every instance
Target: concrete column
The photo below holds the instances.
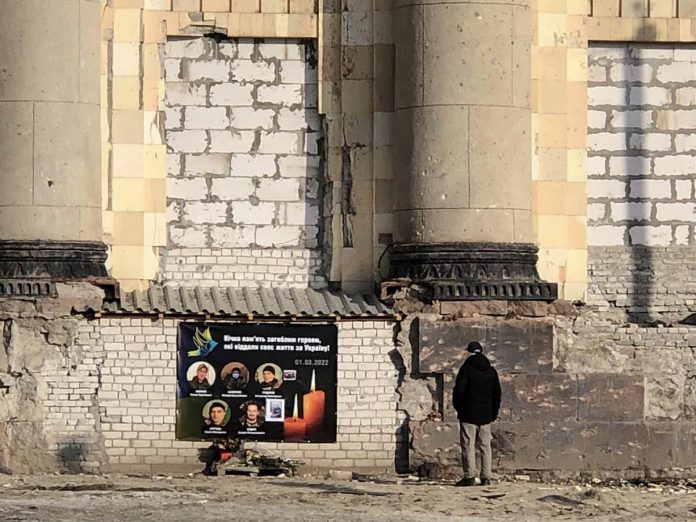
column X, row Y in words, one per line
column 463, row 149
column 50, row 129
column 463, row 121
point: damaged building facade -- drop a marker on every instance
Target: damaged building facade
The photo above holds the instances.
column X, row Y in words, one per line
column 420, row 173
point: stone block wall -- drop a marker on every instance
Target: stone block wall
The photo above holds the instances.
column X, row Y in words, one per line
column 582, row 392
column 559, row 133
column 118, row 400
column 243, row 137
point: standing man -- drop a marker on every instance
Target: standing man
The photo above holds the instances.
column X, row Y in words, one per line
column 476, row 398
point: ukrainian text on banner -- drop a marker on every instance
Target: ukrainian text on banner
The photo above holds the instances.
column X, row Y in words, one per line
column 256, row 381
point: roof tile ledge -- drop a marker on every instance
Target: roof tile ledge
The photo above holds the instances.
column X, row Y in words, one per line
column 277, row 303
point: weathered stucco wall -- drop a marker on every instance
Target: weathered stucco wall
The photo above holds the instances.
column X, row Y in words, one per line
column 49, row 413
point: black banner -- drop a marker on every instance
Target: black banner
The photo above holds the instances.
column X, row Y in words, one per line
column 256, row 381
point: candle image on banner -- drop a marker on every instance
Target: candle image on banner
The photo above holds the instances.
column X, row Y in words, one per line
column 313, row 409
column 294, row 428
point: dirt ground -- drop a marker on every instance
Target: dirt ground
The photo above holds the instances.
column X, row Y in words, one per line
column 113, row 498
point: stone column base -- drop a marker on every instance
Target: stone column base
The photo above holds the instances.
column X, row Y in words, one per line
column 31, row 268
column 472, row 271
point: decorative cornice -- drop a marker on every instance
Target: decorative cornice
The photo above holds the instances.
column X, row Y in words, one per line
column 52, row 260
column 20, row 288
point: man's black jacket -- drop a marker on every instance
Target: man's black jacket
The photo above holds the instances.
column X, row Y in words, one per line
column 476, row 394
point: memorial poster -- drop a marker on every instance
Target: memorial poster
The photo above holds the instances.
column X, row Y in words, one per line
column 257, row 381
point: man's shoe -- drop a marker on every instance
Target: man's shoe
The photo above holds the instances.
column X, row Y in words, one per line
column 485, row 482
column 465, row 482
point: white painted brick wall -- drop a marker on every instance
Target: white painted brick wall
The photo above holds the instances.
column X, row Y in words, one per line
column 250, row 118
column 135, row 394
column 238, row 267
column 206, row 69
column 286, row 95
column 233, row 189
column 231, row 140
column 685, row 212
column 650, row 142
column 685, row 142
column 205, row 212
column 597, row 166
column 651, row 235
column 230, row 94
column 596, row 119
column 629, row 166
column 676, row 73
column 649, row 189
column 278, row 236
column 606, row 141
column 187, row 188
column 206, row 118
column 261, row 213
column 684, row 188
column 185, row 94
column 675, row 165
column 190, row 236
column 621, row 72
column 173, row 117
column 273, row 142
column 644, row 96
column 257, row 165
column 218, row 274
column 186, row 48
column 610, row 188
column 630, row 211
column 187, row 141
column 642, row 165
column 279, row 190
column 242, row 133
column 602, row 235
column 208, row 163
column 246, row 71
column 686, row 96
column 676, row 120
column 615, row 96
column 628, row 119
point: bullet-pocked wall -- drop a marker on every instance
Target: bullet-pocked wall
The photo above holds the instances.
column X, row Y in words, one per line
column 356, row 87
column 244, row 150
